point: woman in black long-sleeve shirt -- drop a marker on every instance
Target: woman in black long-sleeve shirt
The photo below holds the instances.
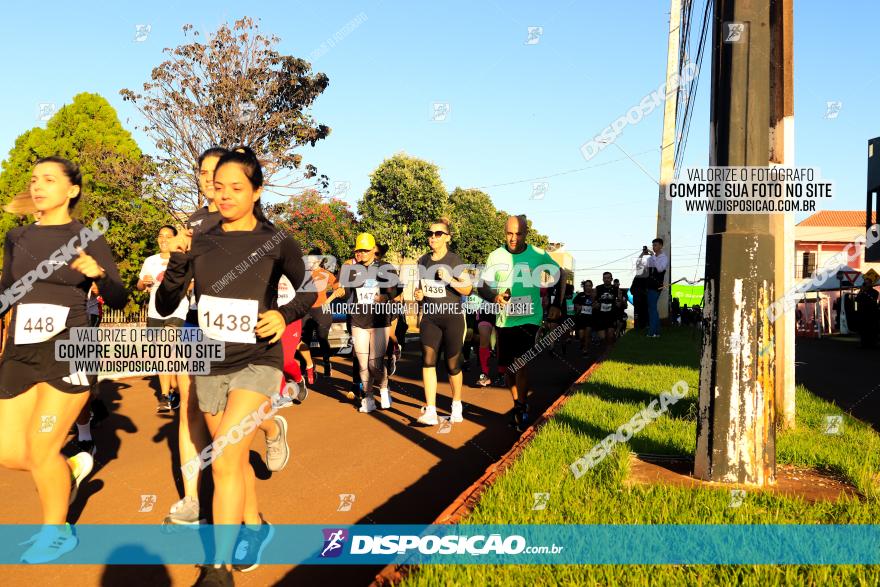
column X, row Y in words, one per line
column 236, row 266
column 48, row 269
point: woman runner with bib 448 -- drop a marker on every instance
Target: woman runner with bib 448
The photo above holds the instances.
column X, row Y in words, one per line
column 40, row 397
column 236, row 396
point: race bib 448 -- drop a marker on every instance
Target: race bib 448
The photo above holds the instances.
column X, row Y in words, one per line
column 39, row 322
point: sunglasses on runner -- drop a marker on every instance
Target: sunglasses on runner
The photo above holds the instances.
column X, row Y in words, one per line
column 435, row 233
column 362, row 250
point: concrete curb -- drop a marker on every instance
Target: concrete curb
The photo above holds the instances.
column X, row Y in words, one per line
column 464, row 504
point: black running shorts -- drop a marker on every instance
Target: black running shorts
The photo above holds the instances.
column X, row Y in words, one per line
column 514, row 342
column 445, row 329
column 23, row 366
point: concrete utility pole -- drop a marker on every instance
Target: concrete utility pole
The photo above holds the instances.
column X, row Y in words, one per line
column 782, row 153
column 667, row 149
column 736, row 426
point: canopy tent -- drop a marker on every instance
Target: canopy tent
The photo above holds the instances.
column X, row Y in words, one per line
column 690, row 295
column 842, row 277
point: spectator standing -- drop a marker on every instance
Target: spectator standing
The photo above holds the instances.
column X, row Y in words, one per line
column 656, row 266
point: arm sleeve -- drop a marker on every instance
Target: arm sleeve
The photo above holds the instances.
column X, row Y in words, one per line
column 559, row 287
column 174, row 284
column 458, row 270
column 295, row 270
column 349, row 275
column 143, row 269
column 114, row 293
column 663, row 265
column 6, row 279
column 548, row 260
column 486, row 288
column 391, row 274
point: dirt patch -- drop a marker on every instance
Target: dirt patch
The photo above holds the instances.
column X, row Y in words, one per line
column 806, row 483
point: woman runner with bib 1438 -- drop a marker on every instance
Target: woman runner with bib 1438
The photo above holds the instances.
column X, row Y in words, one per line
column 236, row 396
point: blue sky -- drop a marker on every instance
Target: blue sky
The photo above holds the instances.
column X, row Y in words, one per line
column 518, row 112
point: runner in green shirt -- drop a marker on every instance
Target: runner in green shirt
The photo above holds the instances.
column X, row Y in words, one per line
column 512, row 279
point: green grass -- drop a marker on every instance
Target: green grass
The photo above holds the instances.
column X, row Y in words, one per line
column 638, row 371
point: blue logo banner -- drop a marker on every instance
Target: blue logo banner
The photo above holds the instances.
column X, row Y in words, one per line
column 469, row 544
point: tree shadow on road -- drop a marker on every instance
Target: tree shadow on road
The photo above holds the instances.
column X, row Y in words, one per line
column 108, row 440
column 424, row 500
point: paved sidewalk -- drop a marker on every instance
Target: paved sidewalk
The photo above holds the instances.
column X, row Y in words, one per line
column 398, row 472
column 837, row 369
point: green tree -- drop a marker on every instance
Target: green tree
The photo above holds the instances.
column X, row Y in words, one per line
column 537, row 239
column 476, row 230
column 479, row 227
column 404, row 197
column 328, row 224
column 88, row 132
column 232, row 89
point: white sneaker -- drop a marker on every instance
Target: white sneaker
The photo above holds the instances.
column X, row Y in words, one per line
column 384, row 399
column 429, row 416
column 368, row 404
column 282, row 401
column 456, row 415
column 81, row 465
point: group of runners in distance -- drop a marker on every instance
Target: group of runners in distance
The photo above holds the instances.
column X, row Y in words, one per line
column 267, row 323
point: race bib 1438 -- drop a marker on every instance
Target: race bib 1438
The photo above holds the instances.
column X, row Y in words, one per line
column 228, row 319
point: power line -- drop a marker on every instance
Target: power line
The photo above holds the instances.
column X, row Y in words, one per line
column 691, row 92
column 703, row 236
column 624, row 249
column 578, row 170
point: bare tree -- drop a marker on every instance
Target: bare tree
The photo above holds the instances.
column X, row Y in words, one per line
column 233, row 89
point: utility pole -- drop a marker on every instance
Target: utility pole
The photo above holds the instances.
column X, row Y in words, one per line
column 782, row 153
column 667, row 149
column 736, row 424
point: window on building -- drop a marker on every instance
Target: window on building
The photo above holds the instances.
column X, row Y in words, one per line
column 809, row 264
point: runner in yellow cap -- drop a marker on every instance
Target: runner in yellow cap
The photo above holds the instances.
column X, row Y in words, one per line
column 365, row 242
column 370, row 317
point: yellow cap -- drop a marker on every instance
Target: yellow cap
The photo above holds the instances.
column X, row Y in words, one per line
column 365, row 242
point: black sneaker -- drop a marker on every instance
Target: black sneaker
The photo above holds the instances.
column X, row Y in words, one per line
column 214, row 576
column 519, row 416
column 164, row 404
column 499, row 381
column 303, row 392
column 250, row 546
column 75, row 447
column 99, row 412
column 327, row 368
column 174, row 400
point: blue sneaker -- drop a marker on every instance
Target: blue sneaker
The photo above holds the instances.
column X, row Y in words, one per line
column 250, row 546
column 50, row 543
